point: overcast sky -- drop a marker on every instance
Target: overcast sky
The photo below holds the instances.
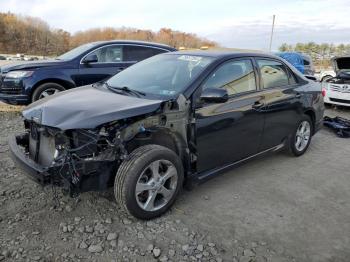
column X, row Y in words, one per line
column 241, row 24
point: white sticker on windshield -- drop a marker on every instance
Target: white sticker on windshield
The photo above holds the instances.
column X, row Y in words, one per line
column 190, row 58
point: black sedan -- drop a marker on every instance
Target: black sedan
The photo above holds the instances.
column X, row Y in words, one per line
column 172, row 119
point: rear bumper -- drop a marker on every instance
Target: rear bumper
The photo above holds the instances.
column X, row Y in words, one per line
column 31, row 169
column 15, row 99
column 336, row 97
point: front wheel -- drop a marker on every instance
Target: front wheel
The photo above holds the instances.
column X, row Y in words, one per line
column 301, row 137
column 147, row 183
column 45, row 90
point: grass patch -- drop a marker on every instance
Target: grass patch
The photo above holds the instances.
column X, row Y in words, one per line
column 10, row 108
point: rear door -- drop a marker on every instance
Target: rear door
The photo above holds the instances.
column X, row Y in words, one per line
column 230, row 131
column 282, row 101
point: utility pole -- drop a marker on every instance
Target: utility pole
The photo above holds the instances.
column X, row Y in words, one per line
column 273, row 25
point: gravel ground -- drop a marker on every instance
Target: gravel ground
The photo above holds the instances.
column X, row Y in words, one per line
column 277, row 208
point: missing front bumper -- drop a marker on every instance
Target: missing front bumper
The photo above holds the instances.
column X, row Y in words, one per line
column 95, row 174
column 31, row 169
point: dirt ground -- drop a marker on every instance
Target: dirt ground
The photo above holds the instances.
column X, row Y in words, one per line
column 276, row 208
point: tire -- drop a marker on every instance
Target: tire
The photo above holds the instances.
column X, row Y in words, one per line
column 50, row 88
column 297, row 148
column 141, row 170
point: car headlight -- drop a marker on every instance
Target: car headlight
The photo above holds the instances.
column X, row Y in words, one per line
column 18, row 74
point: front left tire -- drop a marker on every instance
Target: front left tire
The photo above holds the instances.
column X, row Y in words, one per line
column 148, row 182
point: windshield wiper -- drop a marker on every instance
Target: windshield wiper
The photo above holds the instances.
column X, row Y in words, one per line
column 125, row 89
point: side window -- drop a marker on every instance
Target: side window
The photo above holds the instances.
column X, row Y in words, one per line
column 273, row 73
column 109, row 54
column 236, row 76
column 306, row 62
column 138, row 53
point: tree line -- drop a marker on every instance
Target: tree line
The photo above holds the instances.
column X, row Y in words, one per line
column 320, row 53
column 30, row 35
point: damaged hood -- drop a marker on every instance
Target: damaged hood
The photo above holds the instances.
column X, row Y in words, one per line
column 87, row 107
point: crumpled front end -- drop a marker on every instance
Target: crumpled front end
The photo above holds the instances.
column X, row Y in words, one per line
column 87, row 159
column 78, row 160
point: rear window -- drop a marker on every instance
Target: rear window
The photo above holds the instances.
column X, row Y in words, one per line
column 138, row 53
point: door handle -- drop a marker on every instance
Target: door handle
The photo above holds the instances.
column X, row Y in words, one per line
column 257, row 105
column 297, row 95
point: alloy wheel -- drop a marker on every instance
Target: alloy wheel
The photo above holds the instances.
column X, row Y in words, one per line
column 48, row 92
column 156, row 185
column 302, row 136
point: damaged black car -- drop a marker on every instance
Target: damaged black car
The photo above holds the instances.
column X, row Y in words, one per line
column 173, row 119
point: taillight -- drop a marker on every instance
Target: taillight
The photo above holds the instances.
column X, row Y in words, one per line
column 323, row 92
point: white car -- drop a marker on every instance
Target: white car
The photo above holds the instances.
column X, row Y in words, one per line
column 336, row 90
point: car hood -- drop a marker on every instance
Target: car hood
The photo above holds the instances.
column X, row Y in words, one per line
column 20, row 65
column 341, row 63
column 87, row 107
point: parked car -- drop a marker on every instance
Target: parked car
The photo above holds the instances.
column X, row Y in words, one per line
column 24, row 82
column 337, row 89
column 175, row 118
column 300, row 61
column 2, row 57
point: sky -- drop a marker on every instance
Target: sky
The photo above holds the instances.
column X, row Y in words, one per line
column 231, row 23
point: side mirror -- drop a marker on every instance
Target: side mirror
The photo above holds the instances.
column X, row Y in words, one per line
column 311, row 77
column 92, row 58
column 214, row 95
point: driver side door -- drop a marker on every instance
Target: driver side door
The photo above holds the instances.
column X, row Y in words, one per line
column 230, row 131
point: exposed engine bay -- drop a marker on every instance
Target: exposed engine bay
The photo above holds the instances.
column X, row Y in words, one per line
column 82, row 160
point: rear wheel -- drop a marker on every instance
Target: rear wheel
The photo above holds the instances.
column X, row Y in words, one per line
column 301, row 137
column 46, row 90
column 147, row 183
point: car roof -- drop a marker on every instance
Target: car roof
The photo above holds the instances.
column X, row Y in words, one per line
column 224, row 53
column 133, row 42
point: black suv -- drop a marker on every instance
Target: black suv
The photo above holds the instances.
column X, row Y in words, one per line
column 25, row 82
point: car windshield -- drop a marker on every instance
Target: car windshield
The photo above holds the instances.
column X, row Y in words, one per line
column 162, row 75
column 75, row 52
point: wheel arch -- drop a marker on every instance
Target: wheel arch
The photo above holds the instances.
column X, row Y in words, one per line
column 163, row 137
column 65, row 83
column 312, row 115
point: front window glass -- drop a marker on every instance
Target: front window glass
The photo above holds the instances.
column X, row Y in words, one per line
column 75, row 52
column 162, row 75
column 236, row 76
